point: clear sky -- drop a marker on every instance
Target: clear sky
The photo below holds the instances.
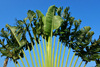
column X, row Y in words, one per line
column 86, row 10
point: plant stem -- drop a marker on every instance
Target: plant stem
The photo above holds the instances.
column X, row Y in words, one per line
column 5, row 62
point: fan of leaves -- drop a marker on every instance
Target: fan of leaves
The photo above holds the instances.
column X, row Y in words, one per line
column 62, row 25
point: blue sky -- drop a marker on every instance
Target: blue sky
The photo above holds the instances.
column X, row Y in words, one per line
column 86, row 10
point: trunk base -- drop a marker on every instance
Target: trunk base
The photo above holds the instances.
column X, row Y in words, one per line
column 5, row 62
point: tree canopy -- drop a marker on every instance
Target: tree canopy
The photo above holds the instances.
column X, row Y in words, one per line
column 61, row 23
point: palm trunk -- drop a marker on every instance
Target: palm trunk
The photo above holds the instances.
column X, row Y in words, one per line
column 5, row 62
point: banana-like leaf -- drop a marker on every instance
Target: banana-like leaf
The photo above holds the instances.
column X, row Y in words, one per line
column 56, row 21
column 39, row 13
column 51, row 21
column 59, row 11
column 49, row 17
column 17, row 37
column 44, row 20
column 31, row 14
column 86, row 28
